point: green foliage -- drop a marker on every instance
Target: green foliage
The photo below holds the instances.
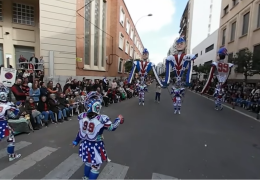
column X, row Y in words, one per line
column 128, row 66
column 202, row 68
column 247, row 63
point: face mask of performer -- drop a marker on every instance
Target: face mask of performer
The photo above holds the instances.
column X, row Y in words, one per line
column 145, row 56
column 181, row 44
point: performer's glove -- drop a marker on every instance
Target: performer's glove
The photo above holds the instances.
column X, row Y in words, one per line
column 74, row 143
column 121, row 118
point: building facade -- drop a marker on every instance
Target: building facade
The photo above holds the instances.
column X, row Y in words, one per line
column 160, row 68
column 40, row 27
column 240, row 28
column 200, row 23
column 206, row 50
column 106, row 44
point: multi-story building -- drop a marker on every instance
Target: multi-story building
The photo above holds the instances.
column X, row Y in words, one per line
column 40, row 27
column 206, row 50
column 240, row 28
column 199, row 23
column 107, row 38
column 160, row 68
column 184, row 22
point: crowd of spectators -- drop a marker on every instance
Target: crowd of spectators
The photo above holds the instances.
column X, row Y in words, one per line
column 244, row 95
column 41, row 104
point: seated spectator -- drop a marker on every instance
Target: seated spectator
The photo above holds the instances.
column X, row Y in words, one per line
column 31, row 108
column 105, row 98
column 54, row 107
column 44, row 108
column 64, row 107
column 68, row 91
column 78, row 99
column 18, row 92
column 43, row 89
column 19, row 123
column 35, row 93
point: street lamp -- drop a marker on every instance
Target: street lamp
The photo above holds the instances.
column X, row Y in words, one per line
column 148, row 15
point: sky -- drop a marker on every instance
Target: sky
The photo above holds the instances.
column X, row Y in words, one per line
column 159, row 31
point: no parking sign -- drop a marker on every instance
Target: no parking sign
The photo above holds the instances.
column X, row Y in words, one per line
column 8, row 76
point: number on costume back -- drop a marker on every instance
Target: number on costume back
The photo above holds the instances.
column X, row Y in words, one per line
column 223, row 67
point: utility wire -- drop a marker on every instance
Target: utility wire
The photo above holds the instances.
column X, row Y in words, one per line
column 90, row 21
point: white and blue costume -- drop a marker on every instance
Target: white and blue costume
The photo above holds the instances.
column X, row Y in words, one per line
column 219, row 98
column 178, row 63
column 177, row 96
column 143, row 67
column 7, row 110
column 141, row 89
column 91, row 127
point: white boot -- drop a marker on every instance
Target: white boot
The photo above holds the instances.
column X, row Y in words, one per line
column 179, row 112
column 143, row 103
column 175, row 111
column 14, row 156
column 139, row 103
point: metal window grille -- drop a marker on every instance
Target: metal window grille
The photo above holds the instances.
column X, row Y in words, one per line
column 23, row 14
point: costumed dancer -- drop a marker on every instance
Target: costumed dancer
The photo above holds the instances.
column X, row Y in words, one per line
column 179, row 62
column 219, row 97
column 91, row 127
column 142, row 88
column 7, row 111
column 143, row 67
column 220, row 69
column 177, row 97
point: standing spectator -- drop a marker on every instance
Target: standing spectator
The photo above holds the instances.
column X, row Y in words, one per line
column 105, row 84
column 44, row 108
column 34, row 60
column 158, row 92
column 114, row 84
column 35, row 92
column 64, row 106
column 18, row 92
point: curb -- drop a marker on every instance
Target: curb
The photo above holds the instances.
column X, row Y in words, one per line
column 230, row 108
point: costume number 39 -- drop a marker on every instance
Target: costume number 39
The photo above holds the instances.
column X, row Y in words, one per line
column 89, row 127
column 223, row 67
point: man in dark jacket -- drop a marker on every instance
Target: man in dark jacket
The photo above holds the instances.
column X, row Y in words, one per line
column 43, row 90
column 18, row 92
column 64, row 106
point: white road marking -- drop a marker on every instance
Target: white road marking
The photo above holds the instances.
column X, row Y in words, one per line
column 161, row 176
column 251, row 117
column 113, row 171
column 17, row 168
column 66, row 169
column 18, row 146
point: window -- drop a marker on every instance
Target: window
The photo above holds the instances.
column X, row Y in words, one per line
column 233, row 31
column 135, row 40
column 230, row 57
column 128, row 27
column 1, row 11
column 121, row 41
column 23, row 14
column 256, row 56
column 131, row 51
column 132, row 33
column 245, row 23
column 96, row 38
column 200, row 52
column 127, row 47
column 225, row 10
column 211, row 47
column 258, row 17
column 235, row 2
column 122, row 16
column 224, row 37
column 120, row 65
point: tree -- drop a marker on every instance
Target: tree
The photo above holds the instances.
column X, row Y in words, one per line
column 246, row 63
column 128, row 66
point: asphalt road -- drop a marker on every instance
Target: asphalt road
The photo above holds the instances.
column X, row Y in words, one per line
column 201, row 143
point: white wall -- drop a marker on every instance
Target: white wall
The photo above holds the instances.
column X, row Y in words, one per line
column 211, row 55
column 199, row 20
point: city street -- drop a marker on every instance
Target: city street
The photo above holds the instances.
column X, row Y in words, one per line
column 153, row 143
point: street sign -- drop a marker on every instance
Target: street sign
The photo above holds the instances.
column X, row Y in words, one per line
column 8, row 76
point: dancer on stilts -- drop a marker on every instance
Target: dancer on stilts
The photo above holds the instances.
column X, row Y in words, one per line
column 143, row 67
column 222, row 70
column 142, row 89
column 91, row 127
column 7, row 111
